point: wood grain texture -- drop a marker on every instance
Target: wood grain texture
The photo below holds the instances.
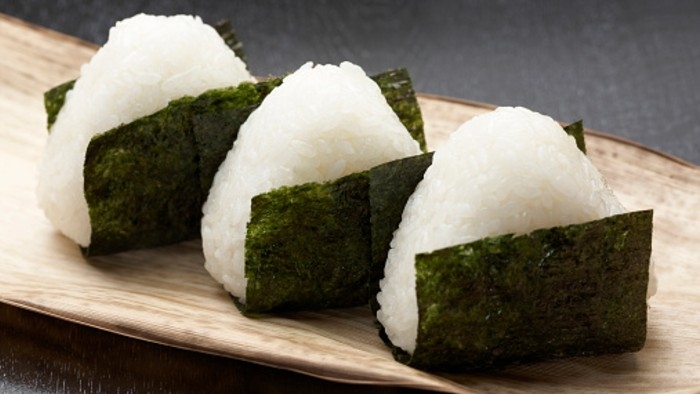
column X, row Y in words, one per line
column 164, row 295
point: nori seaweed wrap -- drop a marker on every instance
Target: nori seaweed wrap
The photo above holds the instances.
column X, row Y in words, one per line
column 141, row 177
column 308, row 246
column 577, row 290
column 146, row 181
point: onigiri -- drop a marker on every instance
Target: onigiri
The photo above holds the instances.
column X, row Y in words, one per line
column 510, row 171
column 147, row 62
column 321, row 123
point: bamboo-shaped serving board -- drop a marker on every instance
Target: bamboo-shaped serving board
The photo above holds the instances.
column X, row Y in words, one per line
column 164, row 295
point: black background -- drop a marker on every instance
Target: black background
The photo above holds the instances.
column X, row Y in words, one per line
column 629, row 68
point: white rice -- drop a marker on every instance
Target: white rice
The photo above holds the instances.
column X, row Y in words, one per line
column 508, row 171
column 147, row 61
column 322, row 123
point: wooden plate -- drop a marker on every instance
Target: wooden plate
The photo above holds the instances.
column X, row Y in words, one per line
column 164, row 295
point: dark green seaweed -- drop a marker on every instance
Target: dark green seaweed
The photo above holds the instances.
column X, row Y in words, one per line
column 141, row 182
column 576, row 130
column 308, row 247
column 218, row 115
column 53, row 101
column 390, row 186
column 577, row 290
column 228, row 34
column 397, row 87
column 146, row 181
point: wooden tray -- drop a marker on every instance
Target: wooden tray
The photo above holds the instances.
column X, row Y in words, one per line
column 164, row 295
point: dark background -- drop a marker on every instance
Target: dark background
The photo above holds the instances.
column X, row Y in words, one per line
column 628, row 68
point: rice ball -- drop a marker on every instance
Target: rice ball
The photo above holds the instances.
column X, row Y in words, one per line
column 147, row 62
column 508, row 171
column 321, row 123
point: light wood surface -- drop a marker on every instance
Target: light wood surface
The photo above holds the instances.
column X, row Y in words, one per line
column 164, row 295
